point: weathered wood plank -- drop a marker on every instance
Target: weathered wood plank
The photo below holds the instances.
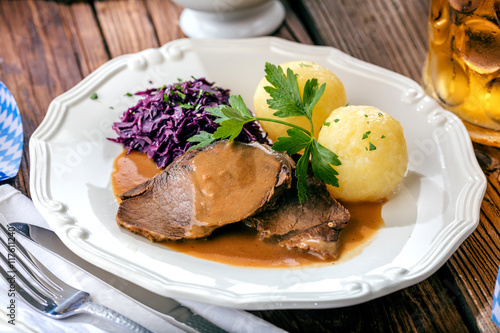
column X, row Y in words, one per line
column 38, row 62
column 88, row 44
column 418, row 308
column 293, row 28
column 165, row 17
column 126, row 26
column 385, row 33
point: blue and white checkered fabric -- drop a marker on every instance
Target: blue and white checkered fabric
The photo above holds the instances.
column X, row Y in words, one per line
column 11, row 135
column 495, row 311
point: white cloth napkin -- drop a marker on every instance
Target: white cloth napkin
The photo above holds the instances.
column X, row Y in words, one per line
column 15, row 207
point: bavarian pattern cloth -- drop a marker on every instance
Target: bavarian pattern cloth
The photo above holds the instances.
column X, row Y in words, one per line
column 495, row 311
column 11, row 135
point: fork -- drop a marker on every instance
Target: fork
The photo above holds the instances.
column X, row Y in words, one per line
column 47, row 293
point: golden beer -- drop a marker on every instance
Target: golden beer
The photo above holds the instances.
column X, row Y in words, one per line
column 462, row 70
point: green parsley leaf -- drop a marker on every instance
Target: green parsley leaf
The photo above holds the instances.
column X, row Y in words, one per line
column 322, row 160
column 326, row 123
column 93, row 96
column 293, row 143
column 380, row 114
column 216, row 112
column 284, row 92
column 165, row 98
column 204, row 138
column 371, row 146
column 181, row 95
column 311, row 95
column 238, row 103
column 229, row 128
column 382, row 137
column 128, row 94
column 233, row 118
column 336, row 120
column 365, row 135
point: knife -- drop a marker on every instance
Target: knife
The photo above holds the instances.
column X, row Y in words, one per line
column 175, row 313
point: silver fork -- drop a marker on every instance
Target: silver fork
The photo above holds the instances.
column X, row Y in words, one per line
column 47, row 293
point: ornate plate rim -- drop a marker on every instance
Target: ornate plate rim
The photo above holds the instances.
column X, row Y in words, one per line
column 353, row 290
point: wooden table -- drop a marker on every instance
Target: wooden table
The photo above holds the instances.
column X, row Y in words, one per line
column 47, row 47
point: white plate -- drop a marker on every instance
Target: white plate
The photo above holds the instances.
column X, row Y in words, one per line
column 437, row 208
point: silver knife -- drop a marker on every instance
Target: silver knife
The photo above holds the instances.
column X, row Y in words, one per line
column 177, row 314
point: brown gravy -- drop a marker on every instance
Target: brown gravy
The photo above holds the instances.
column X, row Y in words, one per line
column 239, row 245
column 217, row 183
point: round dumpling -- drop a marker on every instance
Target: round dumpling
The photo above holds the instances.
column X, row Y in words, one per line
column 333, row 97
column 372, row 149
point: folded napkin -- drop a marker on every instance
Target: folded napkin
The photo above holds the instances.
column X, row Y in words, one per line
column 15, row 207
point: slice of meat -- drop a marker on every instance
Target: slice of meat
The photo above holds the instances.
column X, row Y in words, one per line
column 205, row 189
column 313, row 225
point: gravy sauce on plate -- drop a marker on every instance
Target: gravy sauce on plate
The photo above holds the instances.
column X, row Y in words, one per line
column 237, row 244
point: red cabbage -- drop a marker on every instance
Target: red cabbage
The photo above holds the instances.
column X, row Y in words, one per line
column 162, row 121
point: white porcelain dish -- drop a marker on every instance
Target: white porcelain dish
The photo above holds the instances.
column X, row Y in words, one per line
column 229, row 18
column 436, row 209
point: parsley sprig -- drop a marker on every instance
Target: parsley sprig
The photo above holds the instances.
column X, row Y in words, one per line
column 287, row 100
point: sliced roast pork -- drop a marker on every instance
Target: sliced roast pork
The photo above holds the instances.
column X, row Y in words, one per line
column 205, row 189
column 313, row 225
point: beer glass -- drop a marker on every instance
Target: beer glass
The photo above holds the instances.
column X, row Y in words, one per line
column 462, row 70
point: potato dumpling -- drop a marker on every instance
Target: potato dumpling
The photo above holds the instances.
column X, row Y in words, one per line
column 333, row 97
column 372, row 149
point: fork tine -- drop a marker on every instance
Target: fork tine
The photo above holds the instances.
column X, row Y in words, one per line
column 47, row 288
column 40, row 297
column 48, row 281
column 36, row 303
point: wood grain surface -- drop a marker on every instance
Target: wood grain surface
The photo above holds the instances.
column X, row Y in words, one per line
column 46, row 47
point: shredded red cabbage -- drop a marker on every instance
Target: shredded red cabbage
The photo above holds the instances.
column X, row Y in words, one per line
column 162, row 121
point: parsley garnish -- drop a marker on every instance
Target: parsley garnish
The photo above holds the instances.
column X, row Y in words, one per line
column 336, row 120
column 365, row 135
column 371, row 146
column 326, row 123
column 128, row 94
column 93, row 96
column 204, row 138
column 186, row 106
column 286, row 99
column 382, row 137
